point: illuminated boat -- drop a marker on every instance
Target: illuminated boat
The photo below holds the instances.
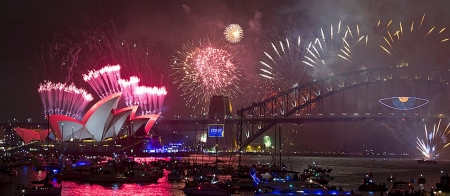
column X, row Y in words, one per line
column 106, row 174
column 5, row 180
column 296, row 188
column 425, row 161
column 53, row 165
column 40, row 190
column 242, row 179
column 143, row 176
column 206, row 188
column 401, row 188
column 175, row 175
column 40, row 164
column 82, row 165
column 370, row 186
column 72, row 174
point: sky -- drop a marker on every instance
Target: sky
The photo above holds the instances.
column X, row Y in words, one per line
column 27, row 26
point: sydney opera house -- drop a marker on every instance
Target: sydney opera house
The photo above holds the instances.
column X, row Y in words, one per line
column 109, row 125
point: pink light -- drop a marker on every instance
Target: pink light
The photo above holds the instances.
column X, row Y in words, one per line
column 128, row 89
column 214, row 68
column 63, row 99
column 104, row 81
column 150, row 99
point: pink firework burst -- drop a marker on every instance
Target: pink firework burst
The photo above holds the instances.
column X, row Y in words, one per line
column 204, row 69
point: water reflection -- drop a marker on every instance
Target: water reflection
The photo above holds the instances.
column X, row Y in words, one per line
column 348, row 173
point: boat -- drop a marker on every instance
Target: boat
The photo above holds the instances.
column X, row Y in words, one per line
column 8, row 170
column 53, row 165
column 72, row 174
column 40, row 164
column 4, row 179
column 156, row 171
column 142, row 176
column 82, row 165
column 206, row 188
column 370, row 186
column 297, row 188
column 46, row 189
column 106, row 174
column 400, row 188
column 444, row 183
column 317, row 174
column 241, row 178
column 392, row 178
column 175, row 175
column 421, row 180
column 426, row 161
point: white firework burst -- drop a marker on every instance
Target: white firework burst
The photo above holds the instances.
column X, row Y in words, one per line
column 233, row 33
column 435, row 141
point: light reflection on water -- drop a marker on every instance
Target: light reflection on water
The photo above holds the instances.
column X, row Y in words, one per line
column 348, row 173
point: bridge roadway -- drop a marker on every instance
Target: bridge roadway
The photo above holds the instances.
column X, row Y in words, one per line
column 183, row 125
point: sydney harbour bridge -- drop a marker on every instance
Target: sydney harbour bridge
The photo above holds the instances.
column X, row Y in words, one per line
column 382, row 94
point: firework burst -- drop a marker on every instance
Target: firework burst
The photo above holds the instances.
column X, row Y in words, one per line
column 416, row 42
column 281, row 66
column 435, row 141
column 204, row 69
column 233, row 33
column 339, row 42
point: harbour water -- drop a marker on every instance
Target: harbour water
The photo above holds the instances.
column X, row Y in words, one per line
column 347, row 173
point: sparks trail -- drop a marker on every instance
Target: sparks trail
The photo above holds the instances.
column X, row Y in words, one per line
column 281, row 66
column 417, row 42
column 104, row 81
column 95, row 44
column 58, row 98
column 338, row 43
column 128, row 89
column 107, row 81
column 435, row 141
column 151, row 99
column 58, row 60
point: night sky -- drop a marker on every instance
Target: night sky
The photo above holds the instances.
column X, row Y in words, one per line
column 168, row 24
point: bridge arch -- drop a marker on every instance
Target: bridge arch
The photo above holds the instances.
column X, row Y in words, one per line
column 353, row 95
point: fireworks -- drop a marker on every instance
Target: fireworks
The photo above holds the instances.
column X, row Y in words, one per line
column 233, row 33
column 434, row 142
column 338, row 42
column 281, row 66
column 151, row 99
column 267, row 141
column 128, row 88
column 203, row 70
column 417, row 42
column 59, row 98
column 104, row 81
